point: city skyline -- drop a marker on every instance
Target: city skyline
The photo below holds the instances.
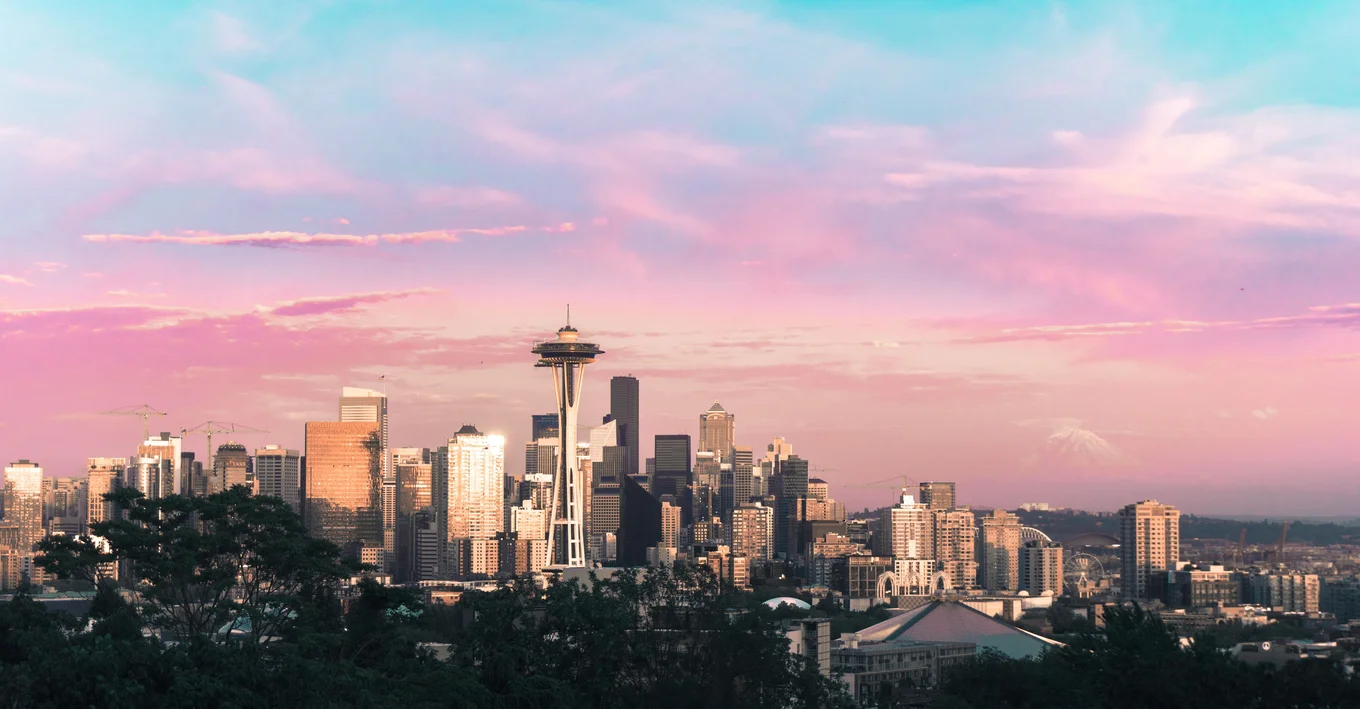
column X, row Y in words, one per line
column 1123, row 273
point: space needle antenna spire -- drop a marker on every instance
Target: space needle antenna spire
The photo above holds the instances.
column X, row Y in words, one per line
column 567, row 356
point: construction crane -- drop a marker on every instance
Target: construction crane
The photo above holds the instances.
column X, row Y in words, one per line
column 143, row 410
column 883, row 483
column 817, row 469
column 208, row 428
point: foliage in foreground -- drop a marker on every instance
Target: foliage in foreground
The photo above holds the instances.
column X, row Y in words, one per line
column 659, row 640
column 1137, row 662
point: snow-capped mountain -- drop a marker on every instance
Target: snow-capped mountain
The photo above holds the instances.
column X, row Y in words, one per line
column 1077, row 449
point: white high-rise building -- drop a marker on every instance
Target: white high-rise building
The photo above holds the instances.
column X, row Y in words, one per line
column 476, row 490
column 277, row 474
column 906, row 531
column 167, row 449
column 1149, row 544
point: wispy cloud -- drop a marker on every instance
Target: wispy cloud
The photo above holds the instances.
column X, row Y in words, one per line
column 49, row 266
column 1345, row 315
column 1264, row 413
column 293, row 239
column 342, row 304
column 231, row 35
column 14, row 280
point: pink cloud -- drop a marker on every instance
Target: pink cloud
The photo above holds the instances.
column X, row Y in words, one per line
column 14, row 280
column 290, row 239
column 1344, row 316
column 342, row 304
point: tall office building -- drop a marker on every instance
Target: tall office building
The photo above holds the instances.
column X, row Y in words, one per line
column 906, row 531
column 359, row 405
column 742, row 463
column 623, row 408
column 1041, row 567
column 792, row 477
column 955, row 546
column 168, row 477
column 476, row 474
column 230, row 466
column 567, row 356
column 414, row 471
column 530, row 529
column 673, row 459
column 277, row 474
column 639, row 523
column 717, row 430
column 1149, row 544
column 670, row 523
column 544, row 426
column 104, row 476
column 937, row 495
column 998, row 552
column 753, row 531
column 342, row 500
column 23, row 496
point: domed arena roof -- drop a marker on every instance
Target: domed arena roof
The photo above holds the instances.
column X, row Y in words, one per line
column 785, row 600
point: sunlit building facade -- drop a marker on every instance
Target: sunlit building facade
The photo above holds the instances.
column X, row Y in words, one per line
column 343, row 496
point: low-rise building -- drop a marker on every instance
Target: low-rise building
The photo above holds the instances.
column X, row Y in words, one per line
column 865, row 667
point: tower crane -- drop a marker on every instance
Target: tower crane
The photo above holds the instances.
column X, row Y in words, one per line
column 208, row 428
column 884, row 483
column 143, row 410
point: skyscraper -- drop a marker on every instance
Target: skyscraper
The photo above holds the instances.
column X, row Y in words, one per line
column 673, row 458
column 168, row 477
column 567, row 356
column 955, row 542
column 414, row 471
column 105, row 476
column 793, row 484
column 277, row 474
column 358, row 405
column 753, row 531
column 23, row 486
column 741, row 490
column 906, row 531
column 623, row 408
column 670, row 523
column 475, row 496
column 998, row 552
column 229, row 467
column 639, row 523
column 1149, row 544
column 343, row 496
column 544, row 426
column 717, row 430
column 1041, row 567
column 937, row 495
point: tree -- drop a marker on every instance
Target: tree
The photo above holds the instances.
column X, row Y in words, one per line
column 199, row 565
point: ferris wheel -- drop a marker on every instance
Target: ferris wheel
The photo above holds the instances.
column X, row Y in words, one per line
column 1082, row 568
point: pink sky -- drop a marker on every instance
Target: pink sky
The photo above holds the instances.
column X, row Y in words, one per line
column 903, row 262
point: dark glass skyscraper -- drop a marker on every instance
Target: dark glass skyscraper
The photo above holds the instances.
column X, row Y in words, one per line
column 623, row 407
column 673, row 459
column 793, row 485
column 545, row 426
column 639, row 523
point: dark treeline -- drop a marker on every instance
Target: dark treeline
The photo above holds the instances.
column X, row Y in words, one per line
column 237, row 607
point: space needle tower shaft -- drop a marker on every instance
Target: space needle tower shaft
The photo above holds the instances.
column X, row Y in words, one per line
column 567, row 356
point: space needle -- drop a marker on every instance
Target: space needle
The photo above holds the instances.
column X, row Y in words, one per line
column 568, row 357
